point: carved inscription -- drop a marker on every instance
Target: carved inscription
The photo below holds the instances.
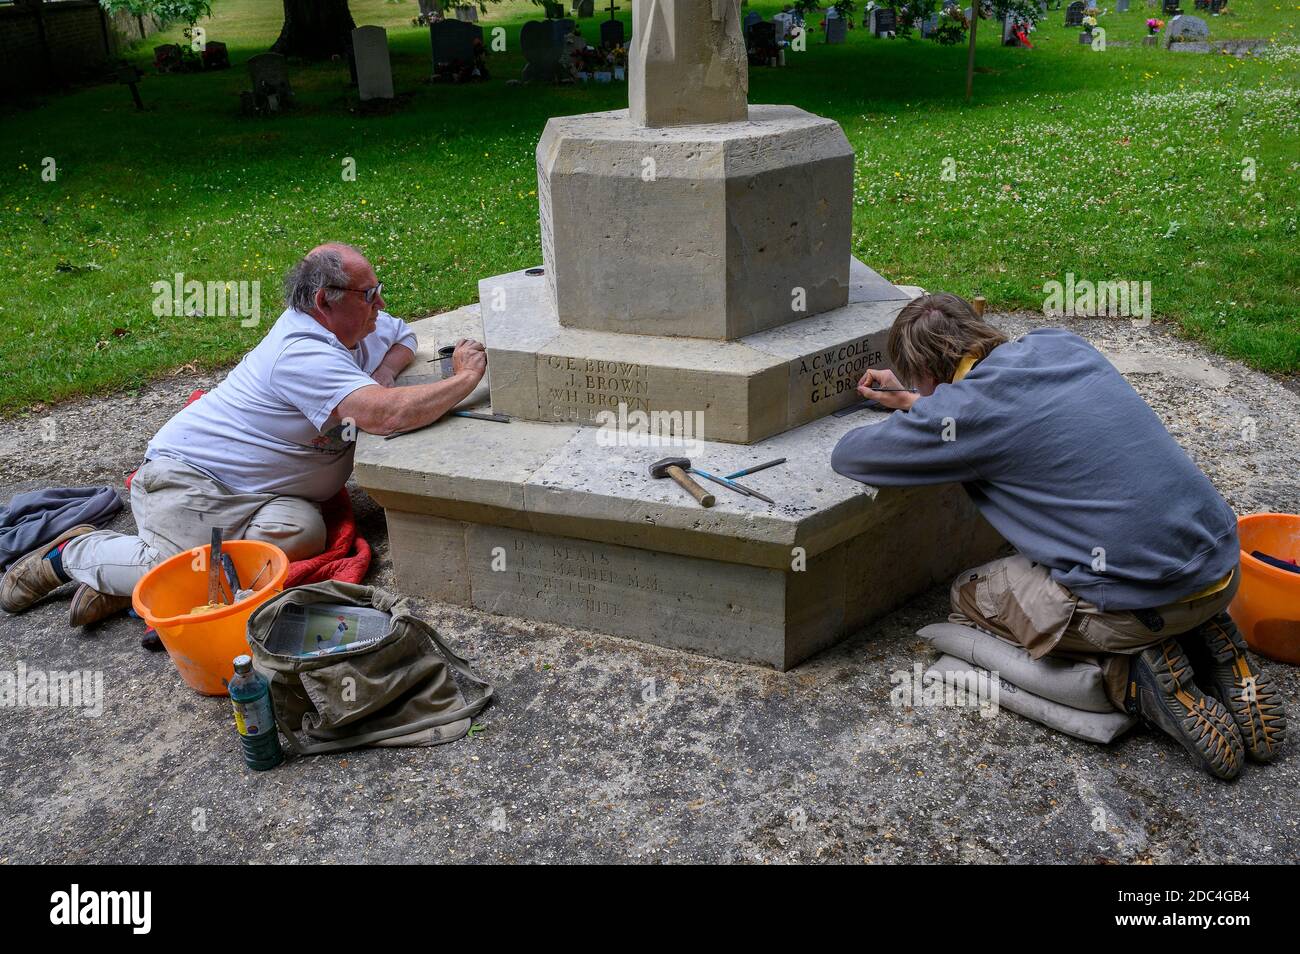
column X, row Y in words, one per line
column 577, row 389
column 826, row 380
column 571, row 576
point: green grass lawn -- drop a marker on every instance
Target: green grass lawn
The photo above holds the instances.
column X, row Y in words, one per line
column 1124, row 164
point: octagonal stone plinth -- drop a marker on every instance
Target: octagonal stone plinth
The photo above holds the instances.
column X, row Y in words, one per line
column 703, row 231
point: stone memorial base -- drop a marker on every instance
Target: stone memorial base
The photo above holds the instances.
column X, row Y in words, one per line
column 556, row 522
column 742, row 391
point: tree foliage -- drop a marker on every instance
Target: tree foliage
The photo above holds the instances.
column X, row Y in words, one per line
column 169, row 11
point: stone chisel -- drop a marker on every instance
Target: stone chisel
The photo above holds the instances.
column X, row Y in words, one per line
column 232, row 575
column 754, row 470
column 480, row 416
column 214, row 569
column 731, row 485
column 476, row 415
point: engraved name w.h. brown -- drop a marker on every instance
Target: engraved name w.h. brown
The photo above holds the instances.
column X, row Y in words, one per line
column 576, row 389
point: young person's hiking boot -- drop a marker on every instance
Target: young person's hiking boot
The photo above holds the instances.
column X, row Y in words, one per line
column 34, row 576
column 1217, row 651
column 89, row 606
column 1163, row 693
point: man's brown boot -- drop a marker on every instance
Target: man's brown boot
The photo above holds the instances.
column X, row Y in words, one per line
column 1217, row 651
column 1162, row 692
column 32, row 577
column 89, row 606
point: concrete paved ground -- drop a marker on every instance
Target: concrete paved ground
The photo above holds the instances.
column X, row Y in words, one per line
column 600, row 749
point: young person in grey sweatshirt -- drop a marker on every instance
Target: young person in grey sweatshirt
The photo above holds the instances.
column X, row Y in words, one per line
column 1125, row 551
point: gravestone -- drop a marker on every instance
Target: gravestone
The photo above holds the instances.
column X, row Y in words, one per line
column 671, row 294
column 884, row 20
column 270, row 77
column 837, row 30
column 1074, row 14
column 374, row 69
column 611, row 34
column 763, row 50
column 542, row 43
column 215, row 56
column 452, row 42
column 167, row 58
column 1186, row 29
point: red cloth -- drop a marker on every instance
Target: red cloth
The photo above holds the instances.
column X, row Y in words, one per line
column 346, row 556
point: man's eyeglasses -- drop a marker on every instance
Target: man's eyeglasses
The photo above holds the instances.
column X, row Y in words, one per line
column 370, row 293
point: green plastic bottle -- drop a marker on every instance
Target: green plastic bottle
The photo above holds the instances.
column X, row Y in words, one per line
column 254, row 717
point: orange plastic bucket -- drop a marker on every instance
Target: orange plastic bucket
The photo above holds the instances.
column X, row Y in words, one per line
column 204, row 645
column 1267, row 606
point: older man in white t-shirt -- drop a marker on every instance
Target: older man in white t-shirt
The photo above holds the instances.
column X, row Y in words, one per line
column 258, row 454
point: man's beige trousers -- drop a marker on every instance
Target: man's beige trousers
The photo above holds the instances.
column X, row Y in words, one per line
column 175, row 508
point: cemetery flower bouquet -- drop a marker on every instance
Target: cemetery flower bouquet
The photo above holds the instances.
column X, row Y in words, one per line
column 587, row 60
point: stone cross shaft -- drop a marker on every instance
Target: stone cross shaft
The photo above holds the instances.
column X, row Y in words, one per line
column 688, row 63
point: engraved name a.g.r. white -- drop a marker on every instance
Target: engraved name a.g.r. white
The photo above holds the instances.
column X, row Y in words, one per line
column 576, row 577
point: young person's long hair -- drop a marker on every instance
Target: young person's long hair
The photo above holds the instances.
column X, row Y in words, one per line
column 933, row 333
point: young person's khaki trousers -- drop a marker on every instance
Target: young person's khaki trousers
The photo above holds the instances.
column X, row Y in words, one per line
column 1018, row 600
column 175, row 508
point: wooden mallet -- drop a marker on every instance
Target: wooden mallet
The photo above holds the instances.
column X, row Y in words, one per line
column 676, row 467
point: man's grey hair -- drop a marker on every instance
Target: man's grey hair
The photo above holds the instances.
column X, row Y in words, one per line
column 321, row 270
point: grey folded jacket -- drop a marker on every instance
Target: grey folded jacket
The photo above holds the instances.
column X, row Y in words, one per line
column 36, row 517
